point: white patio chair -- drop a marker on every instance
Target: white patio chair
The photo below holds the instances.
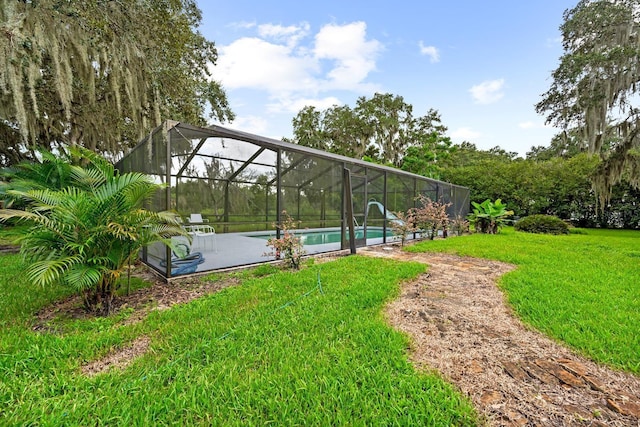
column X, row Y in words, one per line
column 204, row 237
column 196, row 218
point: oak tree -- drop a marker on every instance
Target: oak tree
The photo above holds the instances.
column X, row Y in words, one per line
column 100, row 74
column 595, row 86
column 382, row 128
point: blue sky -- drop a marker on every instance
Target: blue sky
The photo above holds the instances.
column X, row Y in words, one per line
column 482, row 64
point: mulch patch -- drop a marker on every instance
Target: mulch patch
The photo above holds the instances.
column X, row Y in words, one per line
column 9, row 249
column 159, row 296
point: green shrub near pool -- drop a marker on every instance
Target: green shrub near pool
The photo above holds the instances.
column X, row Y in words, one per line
column 544, row 224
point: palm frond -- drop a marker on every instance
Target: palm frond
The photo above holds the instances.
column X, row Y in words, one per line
column 45, row 196
column 41, row 239
column 96, row 161
column 50, row 271
column 100, row 260
column 127, row 184
column 123, row 231
column 20, row 215
column 82, row 276
column 169, row 217
column 88, row 178
column 169, row 230
column 141, row 188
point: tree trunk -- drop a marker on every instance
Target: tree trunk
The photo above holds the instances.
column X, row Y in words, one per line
column 108, row 295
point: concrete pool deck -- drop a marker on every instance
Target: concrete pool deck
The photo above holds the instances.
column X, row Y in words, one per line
column 227, row 250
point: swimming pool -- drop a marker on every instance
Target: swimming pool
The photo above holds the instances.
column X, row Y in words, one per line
column 329, row 236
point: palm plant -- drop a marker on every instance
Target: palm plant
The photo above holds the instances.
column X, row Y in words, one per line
column 488, row 217
column 84, row 235
column 49, row 170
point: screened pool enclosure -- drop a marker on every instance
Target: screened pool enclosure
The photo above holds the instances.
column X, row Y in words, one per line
column 231, row 187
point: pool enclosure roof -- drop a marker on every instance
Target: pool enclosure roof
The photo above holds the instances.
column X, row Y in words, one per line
column 195, row 132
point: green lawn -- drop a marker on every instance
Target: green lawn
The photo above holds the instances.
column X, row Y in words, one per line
column 19, row 299
column 305, row 348
column 309, row 347
column 582, row 289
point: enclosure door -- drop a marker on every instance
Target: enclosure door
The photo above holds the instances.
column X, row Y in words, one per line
column 359, row 199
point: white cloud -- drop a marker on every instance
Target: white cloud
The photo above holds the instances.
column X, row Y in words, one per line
column 488, row 92
column 241, row 25
column 257, row 64
column 465, row 134
column 293, row 66
column 252, row 124
column 430, row 51
column 353, row 56
column 291, row 34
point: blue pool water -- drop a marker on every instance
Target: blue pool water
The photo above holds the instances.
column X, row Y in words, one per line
column 329, row 236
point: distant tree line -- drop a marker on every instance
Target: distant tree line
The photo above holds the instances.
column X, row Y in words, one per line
column 554, row 180
column 544, row 183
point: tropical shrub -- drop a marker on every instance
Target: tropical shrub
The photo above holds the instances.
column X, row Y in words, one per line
column 288, row 246
column 459, row 225
column 545, row 224
column 84, row 235
column 487, row 217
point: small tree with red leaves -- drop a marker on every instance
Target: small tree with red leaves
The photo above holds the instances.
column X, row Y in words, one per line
column 432, row 216
column 404, row 224
column 289, row 246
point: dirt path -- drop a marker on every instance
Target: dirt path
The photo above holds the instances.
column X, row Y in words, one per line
column 461, row 327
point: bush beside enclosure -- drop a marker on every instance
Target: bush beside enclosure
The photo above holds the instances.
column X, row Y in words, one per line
column 545, row 224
